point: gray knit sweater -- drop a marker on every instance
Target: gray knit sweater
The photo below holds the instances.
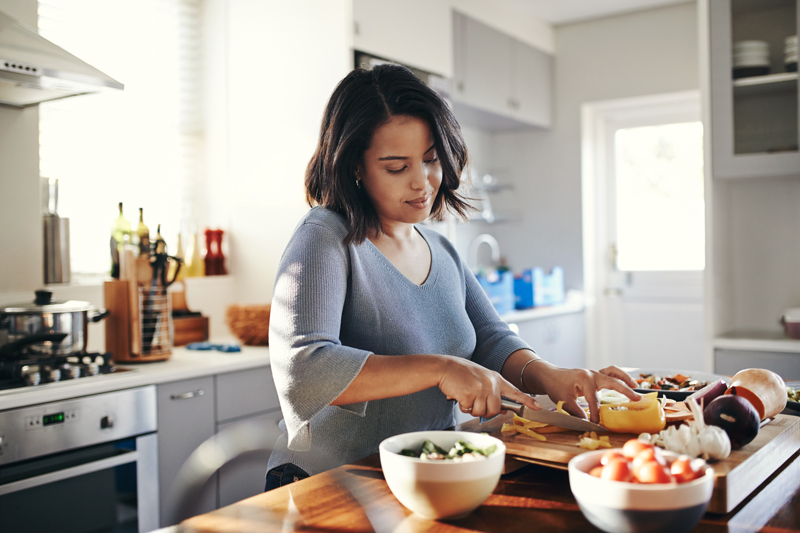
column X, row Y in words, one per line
column 333, row 306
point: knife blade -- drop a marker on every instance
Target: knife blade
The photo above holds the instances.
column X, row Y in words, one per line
column 553, row 418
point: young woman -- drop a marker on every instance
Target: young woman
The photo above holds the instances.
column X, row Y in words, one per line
column 378, row 327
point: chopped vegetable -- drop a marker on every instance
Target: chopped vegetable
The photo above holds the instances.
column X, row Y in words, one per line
column 646, row 415
column 591, row 441
column 461, row 451
column 792, row 394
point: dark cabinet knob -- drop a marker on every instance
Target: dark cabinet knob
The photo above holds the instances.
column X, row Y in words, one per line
column 107, row 422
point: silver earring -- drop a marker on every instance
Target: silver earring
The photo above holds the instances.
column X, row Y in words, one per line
column 358, row 183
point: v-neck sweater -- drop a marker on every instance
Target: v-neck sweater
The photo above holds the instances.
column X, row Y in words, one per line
column 334, row 305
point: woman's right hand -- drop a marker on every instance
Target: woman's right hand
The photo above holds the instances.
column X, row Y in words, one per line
column 477, row 389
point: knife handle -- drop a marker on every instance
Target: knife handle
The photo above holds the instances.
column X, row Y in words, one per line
column 508, row 405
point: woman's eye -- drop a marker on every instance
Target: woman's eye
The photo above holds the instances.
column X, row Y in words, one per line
column 393, row 171
column 431, row 161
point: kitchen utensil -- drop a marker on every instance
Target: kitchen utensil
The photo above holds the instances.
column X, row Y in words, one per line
column 440, row 489
column 675, row 395
column 638, row 507
column 56, row 235
column 548, row 416
column 44, row 316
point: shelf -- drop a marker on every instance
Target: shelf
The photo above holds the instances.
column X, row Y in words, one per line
column 771, row 83
column 760, row 341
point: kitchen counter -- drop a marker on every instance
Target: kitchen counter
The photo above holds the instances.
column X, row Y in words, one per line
column 531, row 498
column 573, row 303
column 184, row 364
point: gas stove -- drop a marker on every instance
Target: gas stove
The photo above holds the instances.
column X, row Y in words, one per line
column 30, row 370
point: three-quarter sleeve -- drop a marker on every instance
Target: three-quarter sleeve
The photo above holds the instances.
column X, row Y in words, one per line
column 495, row 341
column 310, row 366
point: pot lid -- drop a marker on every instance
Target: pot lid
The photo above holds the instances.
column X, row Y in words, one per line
column 44, row 304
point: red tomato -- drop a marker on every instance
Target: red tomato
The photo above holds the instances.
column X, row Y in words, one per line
column 634, row 446
column 648, row 454
column 683, row 470
column 617, row 470
column 653, row 472
column 596, row 471
column 609, row 455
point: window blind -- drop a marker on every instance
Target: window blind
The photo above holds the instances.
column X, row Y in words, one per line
column 140, row 146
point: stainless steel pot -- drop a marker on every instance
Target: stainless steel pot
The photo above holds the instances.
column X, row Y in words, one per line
column 47, row 327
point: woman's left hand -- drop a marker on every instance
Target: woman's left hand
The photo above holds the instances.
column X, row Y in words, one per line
column 567, row 384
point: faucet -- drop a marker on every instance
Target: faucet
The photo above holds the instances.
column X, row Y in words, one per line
column 472, row 255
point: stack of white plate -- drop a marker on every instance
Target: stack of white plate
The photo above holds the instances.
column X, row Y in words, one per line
column 790, row 53
column 750, row 58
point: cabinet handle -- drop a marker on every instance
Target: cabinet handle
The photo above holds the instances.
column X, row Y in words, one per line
column 460, row 86
column 187, row 395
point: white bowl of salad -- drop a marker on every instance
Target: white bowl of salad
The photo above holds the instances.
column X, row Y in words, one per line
column 442, row 474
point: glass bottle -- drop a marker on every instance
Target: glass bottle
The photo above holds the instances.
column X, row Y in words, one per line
column 211, row 253
column 121, row 233
column 160, row 245
column 144, row 234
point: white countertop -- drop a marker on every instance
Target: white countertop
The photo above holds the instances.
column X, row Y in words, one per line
column 573, row 303
column 184, row 364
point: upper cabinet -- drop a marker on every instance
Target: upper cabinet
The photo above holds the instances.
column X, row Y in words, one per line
column 499, row 82
column 418, row 34
column 754, row 113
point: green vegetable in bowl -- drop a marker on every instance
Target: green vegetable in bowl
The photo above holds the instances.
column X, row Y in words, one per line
column 793, row 394
column 461, row 451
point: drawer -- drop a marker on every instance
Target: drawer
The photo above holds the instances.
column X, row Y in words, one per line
column 245, row 392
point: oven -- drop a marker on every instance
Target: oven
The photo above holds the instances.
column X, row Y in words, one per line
column 83, row 464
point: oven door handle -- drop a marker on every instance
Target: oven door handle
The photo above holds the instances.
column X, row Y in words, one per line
column 67, row 473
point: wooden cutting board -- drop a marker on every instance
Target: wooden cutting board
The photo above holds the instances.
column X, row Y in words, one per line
column 736, row 477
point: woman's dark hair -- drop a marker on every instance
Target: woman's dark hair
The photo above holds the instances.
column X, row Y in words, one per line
column 363, row 101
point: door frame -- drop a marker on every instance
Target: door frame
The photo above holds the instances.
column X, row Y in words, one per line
column 597, row 127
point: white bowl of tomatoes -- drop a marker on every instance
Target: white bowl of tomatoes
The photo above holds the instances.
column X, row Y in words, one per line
column 640, row 488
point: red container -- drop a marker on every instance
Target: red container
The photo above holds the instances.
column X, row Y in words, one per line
column 791, row 322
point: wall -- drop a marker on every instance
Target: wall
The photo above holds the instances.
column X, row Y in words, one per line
column 268, row 81
column 635, row 54
column 21, row 268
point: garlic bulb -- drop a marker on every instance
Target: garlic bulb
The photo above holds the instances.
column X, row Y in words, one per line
column 694, row 438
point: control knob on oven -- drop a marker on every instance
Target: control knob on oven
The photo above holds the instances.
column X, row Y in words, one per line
column 53, row 375
column 107, row 422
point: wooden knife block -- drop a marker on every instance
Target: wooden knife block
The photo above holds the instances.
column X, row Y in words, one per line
column 127, row 323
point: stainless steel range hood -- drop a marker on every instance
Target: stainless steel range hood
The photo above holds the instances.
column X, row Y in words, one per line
column 34, row 70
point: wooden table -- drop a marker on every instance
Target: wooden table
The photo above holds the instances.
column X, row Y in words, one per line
column 533, row 498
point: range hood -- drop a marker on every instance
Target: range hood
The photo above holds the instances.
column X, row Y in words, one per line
column 34, row 70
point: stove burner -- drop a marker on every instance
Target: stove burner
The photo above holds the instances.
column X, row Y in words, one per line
column 28, row 370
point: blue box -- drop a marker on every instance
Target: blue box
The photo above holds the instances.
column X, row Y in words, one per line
column 499, row 287
column 534, row 288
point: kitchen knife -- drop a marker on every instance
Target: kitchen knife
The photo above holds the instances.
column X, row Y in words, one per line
column 553, row 418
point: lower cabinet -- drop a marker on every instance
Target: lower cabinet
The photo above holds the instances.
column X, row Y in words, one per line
column 245, row 476
column 557, row 339
column 192, row 411
column 185, row 420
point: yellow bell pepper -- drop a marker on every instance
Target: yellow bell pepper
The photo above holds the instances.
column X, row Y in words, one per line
column 645, row 416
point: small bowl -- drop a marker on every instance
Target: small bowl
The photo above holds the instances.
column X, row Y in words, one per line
column 621, row 507
column 437, row 490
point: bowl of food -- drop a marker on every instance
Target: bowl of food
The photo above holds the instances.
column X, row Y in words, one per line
column 640, row 488
column 442, row 474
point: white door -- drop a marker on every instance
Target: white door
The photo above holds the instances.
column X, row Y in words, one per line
column 644, row 232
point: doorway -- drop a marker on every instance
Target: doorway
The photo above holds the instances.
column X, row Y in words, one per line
column 644, row 231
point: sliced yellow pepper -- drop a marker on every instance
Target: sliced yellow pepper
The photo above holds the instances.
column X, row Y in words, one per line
column 645, row 416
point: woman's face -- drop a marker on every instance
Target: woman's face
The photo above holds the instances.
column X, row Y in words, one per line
column 401, row 172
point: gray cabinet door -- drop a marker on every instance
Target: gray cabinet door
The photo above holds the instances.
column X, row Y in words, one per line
column 531, row 84
column 557, row 339
column 185, row 420
column 484, row 58
column 244, row 393
column 245, row 476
